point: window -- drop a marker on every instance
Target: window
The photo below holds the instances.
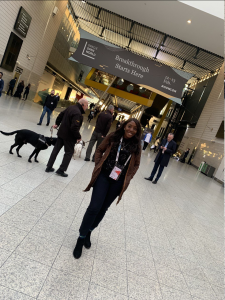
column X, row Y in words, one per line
column 11, row 52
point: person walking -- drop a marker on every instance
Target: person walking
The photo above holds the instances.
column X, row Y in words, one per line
column 26, row 93
column 185, row 155
column 117, row 160
column 1, row 83
column 90, row 116
column 92, row 105
column 166, row 149
column 57, row 97
column 11, row 86
column 103, row 124
column 49, row 105
column 147, row 140
column 70, row 121
column 156, row 145
column 19, row 89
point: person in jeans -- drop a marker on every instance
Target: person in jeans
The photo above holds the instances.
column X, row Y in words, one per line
column 111, row 176
column 70, row 121
column 11, row 86
column 147, row 140
column 49, row 105
column 103, row 124
column 166, row 149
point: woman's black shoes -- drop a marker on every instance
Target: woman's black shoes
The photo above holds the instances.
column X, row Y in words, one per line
column 78, row 248
column 87, row 241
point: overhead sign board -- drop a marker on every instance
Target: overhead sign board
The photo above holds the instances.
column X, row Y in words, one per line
column 162, row 79
column 22, row 22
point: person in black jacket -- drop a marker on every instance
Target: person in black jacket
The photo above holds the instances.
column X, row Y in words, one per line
column 49, row 105
column 70, row 121
column 11, row 86
column 26, row 93
column 19, row 89
column 103, row 124
column 185, row 155
column 166, row 149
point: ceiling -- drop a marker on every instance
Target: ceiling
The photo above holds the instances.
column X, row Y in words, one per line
column 206, row 31
column 149, row 42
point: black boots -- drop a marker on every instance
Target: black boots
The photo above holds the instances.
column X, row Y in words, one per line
column 78, row 248
column 87, row 241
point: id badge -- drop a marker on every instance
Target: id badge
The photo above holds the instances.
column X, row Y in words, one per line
column 115, row 174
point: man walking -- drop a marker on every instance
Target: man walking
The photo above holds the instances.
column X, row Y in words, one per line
column 11, row 86
column 1, row 83
column 49, row 105
column 166, row 148
column 70, row 121
column 103, row 124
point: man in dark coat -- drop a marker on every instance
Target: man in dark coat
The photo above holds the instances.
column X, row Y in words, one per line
column 11, row 86
column 70, row 121
column 103, row 124
column 1, row 83
column 49, row 105
column 166, row 149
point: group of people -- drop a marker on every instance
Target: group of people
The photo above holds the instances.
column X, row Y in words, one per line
column 117, row 159
column 19, row 89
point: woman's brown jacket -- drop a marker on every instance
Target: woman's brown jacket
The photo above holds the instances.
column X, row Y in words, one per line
column 100, row 156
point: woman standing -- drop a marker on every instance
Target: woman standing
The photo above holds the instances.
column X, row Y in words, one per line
column 19, row 89
column 117, row 159
column 26, row 93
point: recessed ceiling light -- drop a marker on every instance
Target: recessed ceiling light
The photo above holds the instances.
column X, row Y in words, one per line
column 189, row 21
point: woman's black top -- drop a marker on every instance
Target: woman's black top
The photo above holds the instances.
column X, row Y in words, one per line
column 110, row 161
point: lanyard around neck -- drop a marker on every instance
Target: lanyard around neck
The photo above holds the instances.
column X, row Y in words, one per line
column 118, row 153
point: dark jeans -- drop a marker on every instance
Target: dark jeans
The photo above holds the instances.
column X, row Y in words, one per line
column 48, row 111
column 145, row 145
column 69, row 149
column 10, row 90
column 156, row 166
column 96, row 137
column 25, row 95
column 105, row 191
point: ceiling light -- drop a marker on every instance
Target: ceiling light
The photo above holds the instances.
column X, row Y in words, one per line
column 83, row 1
column 189, row 21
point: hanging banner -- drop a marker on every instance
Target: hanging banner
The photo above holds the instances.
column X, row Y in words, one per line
column 97, row 53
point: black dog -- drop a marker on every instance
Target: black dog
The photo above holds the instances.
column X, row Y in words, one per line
column 25, row 136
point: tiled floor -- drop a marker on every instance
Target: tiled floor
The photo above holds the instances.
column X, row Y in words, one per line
column 162, row 242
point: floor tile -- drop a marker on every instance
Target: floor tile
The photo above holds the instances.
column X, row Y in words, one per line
column 19, row 219
column 6, row 293
column 10, row 236
column 4, row 255
column 109, row 276
column 23, row 275
column 82, row 267
column 60, row 285
column 8, row 197
column 38, row 249
column 97, row 292
column 32, row 207
column 200, row 288
column 143, row 288
column 3, row 208
column 172, row 278
column 50, row 231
